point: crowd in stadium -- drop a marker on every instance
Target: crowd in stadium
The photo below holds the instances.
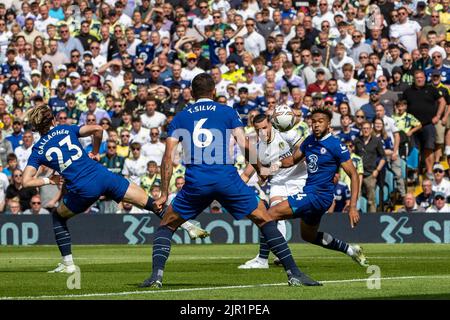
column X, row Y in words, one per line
column 380, row 66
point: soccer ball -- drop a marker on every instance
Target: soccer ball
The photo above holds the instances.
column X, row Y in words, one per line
column 283, row 118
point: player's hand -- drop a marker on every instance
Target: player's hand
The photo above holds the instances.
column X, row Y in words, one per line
column 353, row 215
column 56, row 179
column 159, row 203
column 93, row 156
column 444, row 122
column 394, row 157
column 435, row 120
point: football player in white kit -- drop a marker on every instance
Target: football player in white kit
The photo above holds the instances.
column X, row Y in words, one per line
column 272, row 145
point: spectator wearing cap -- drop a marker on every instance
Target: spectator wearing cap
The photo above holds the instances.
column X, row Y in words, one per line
column 439, row 203
column 74, row 86
column 438, row 65
column 427, row 104
column 58, row 102
column 175, row 103
column 440, row 181
column 318, row 86
column 374, row 100
column 244, row 105
column 191, row 70
column 73, row 113
column 309, row 72
column 36, row 88
column 68, row 43
column 92, row 108
column 359, row 46
column 53, row 55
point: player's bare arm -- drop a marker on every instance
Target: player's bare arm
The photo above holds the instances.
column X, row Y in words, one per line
column 166, row 172
column 350, row 170
column 97, row 132
column 292, row 160
column 30, row 179
column 249, row 171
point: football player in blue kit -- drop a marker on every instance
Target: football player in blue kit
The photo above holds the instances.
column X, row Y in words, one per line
column 324, row 154
column 84, row 177
column 205, row 129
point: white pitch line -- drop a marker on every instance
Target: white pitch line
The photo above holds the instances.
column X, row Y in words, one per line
column 221, row 258
column 125, row 293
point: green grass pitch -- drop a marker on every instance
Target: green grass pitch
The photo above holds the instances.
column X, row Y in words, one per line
column 408, row 271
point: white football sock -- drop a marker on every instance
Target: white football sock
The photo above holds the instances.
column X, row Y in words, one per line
column 68, row 260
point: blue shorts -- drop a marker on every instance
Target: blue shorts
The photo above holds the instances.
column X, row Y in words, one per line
column 233, row 194
column 303, row 207
column 105, row 183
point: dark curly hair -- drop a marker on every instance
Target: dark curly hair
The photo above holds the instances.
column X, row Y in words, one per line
column 324, row 110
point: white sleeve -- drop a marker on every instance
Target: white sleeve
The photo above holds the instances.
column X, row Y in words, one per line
column 291, row 137
column 125, row 170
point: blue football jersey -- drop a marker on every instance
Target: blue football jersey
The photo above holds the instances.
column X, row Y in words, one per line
column 323, row 159
column 341, row 195
column 61, row 151
column 204, row 129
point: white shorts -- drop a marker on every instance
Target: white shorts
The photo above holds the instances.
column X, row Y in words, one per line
column 288, row 189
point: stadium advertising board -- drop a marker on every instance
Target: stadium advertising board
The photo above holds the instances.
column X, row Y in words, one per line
column 139, row 229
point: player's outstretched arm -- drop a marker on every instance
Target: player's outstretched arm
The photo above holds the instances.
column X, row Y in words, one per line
column 166, row 171
column 97, row 132
column 29, row 178
column 350, row 170
column 248, row 173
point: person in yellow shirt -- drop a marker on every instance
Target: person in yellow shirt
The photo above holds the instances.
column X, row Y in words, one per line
column 234, row 74
column 151, row 177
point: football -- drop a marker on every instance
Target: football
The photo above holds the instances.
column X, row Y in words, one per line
column 283, row 119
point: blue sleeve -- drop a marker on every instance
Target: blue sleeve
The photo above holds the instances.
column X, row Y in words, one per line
column 174, row 125
column 235, row 119
column 75, row 129
column 341, row 152
column 34, row 160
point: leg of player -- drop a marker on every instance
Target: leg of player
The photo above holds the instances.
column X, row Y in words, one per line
column 279, row 246
column 161, row 247
column 261, row 261
column 137, row 196
column 63, row 239
column 311, row 234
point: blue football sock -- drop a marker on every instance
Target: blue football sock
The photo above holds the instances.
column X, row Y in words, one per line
column 161, row 251
column 264, row 249
column 62, row 234
column 279, row 247
column 325, row 240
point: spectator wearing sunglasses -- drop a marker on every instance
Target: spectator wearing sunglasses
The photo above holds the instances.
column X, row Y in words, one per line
column 439, row 204
column 36, row 206
column 440, row 181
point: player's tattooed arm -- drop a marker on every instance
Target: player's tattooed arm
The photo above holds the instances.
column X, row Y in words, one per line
column 167, row 166
column 350, row 170
column 29, row 179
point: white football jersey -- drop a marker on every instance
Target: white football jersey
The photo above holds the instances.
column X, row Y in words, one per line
column 269, row 153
